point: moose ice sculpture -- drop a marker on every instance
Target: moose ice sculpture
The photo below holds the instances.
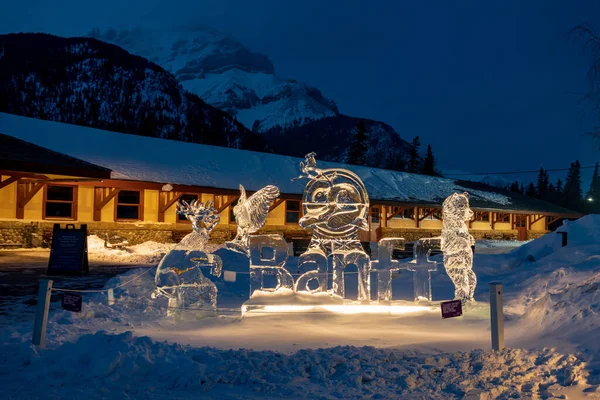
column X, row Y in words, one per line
column 456, row 244
column 179, row 276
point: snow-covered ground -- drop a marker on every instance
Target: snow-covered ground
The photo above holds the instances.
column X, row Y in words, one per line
column 132, row 350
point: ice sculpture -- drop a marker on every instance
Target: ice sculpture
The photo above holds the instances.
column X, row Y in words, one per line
column 422, row 267
column 456, row 244
column 179, row 276
column 386, row 265
column 335, row 205
column 262, row 264
column 251, row 215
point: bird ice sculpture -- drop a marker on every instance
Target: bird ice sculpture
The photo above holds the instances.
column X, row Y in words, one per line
column 179, row 275
column 456, row 244
column 251, row 215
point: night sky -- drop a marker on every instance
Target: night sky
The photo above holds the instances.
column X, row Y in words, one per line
column 493, row 86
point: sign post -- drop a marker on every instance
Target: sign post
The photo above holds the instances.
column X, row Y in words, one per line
column 69, row 253
column 496, row 316
column 41, row 313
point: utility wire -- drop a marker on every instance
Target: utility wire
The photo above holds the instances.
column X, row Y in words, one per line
column 517, row 172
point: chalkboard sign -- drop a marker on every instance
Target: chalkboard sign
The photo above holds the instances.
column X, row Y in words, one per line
column 69, row 253
column 451, row 309
column 72, row 302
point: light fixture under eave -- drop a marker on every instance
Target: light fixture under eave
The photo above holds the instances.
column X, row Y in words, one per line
column 391, row 309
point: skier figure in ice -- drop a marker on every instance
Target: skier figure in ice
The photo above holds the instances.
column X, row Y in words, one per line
column 457, row 245
column 179, row 275
column 251, row 215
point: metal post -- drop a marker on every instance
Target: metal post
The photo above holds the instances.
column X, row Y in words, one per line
column 111, row 297
column 496, row 316
column 563, row 238
column 41, row 313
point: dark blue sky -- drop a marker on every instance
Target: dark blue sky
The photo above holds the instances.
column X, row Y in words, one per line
column 493, row 86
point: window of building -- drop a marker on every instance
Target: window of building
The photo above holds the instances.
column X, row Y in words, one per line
column 129, row 205
column 292, row 211
column 374, row 215
column 408, row 213
column 430, row 213
column 482, row 216
column 231, row 214
column 502, row 217
column 60, row 202
column 188, row 198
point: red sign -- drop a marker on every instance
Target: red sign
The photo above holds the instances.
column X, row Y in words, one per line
column 451, row 309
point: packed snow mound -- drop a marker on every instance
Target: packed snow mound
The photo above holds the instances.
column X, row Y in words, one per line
column 102, row 365
column 144, row 253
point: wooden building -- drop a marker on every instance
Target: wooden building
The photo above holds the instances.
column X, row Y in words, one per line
column 128, row 185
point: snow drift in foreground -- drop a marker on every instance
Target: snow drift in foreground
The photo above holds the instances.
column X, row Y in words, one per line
column 102, row 365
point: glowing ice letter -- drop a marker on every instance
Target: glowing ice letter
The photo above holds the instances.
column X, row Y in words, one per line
column 456, row 244
column 179, row 276
column 319, row 274
column 422, row 267
column 335, row 205
column 251, row 215
column 385, row 266
column 262, row 264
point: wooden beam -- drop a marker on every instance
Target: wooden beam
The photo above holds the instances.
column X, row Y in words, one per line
column 276, row 204
column 227, row 204
column 164, row 203
column 26, row 192
column 11, row 179
column 101, row 199
column 430, row 212
column 416, row 217
column 539, row 218
column 399, row 210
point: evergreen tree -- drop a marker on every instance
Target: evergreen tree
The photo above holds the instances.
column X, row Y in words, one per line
column 594, row 190
column 515, row 188
column 413, row 161
column 530, row 192
column 542, row 184
column 572, row 191
column 358, row 146
column 429, row 163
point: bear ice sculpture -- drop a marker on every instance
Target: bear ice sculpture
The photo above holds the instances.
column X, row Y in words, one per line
column 457, row 245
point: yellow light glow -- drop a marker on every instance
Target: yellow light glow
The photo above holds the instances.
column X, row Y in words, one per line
column 340, row 309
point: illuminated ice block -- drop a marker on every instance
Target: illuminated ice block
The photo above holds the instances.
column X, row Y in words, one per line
column 268, row 254
column 456, row 243
column 318, row 274
column 386, row 265
column 422, row 267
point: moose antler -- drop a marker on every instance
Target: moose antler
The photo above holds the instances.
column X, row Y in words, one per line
column 202, row 215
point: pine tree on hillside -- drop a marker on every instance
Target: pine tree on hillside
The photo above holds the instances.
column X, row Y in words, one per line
column 429, row 163
column 413, row 161
column 357, row 153
column 542, row 184
column 530, row 192
column 515, row 188
column 572, row 192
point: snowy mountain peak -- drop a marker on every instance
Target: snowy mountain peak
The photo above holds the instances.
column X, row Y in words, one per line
column 227, row 75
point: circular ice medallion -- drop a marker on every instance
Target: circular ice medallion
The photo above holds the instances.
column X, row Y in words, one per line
column 335, row 203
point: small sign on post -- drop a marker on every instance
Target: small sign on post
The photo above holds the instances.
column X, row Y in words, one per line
column 451, row 309
column 72, row 302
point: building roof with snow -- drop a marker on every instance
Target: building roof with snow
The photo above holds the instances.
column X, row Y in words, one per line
column 147, row 159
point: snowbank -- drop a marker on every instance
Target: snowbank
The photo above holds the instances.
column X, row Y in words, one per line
column 144, row 253
column 102, row 366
